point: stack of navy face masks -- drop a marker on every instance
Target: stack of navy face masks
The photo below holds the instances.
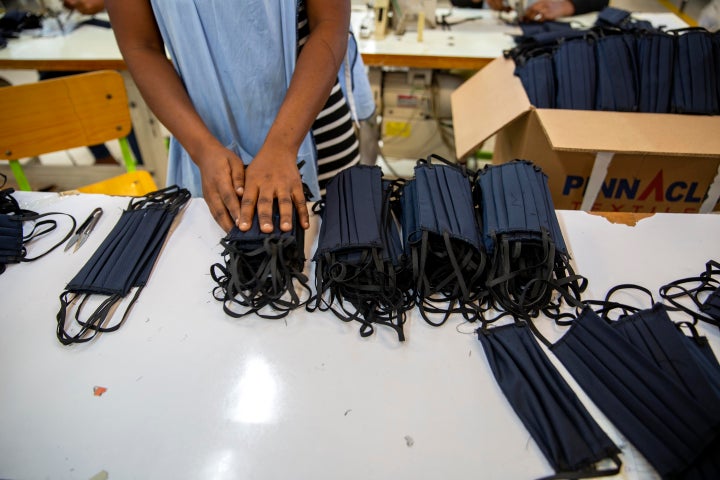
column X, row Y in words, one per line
column 441, row 235
column 360, row 271
column 122, row 262
column 528, row 255
column 621, row 64
column 261, row 270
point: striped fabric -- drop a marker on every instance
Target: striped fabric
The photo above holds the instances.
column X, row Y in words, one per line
column 335, row 138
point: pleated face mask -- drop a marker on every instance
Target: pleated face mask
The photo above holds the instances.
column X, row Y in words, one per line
column 13, row 240
column 695, row 80
column 658, row 415
column 11, row 231
column 528, row 256
column 575, row 70
column 122, row 262
column 569, row 438
column 688, row 360
column 538, row 78
column 262, row 270
column 441, row 237
column 616, row 73
column 360, row 271
column 613, row 17
column 623, row 20
column 655, row 53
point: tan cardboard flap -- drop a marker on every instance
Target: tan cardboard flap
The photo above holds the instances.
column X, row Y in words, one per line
column 591, row 131
column 485, row 103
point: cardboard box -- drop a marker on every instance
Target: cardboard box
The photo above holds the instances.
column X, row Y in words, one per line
column 606, row 161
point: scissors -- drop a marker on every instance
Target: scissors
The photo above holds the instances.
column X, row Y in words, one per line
column 84, row 230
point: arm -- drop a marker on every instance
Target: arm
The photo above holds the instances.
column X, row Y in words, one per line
column 553, row 9
column 88, row 7
column 273, row 172
column 142, row 48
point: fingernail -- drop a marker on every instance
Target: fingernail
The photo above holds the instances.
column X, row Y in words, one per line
column 286, row 225
column 239, row 190
column 244, row 225
column 267, row 225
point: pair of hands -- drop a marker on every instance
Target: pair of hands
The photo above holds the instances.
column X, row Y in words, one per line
column 87, row 7
column 540, row 11
column 233, row 191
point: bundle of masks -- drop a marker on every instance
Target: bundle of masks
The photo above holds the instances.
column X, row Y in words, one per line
column 121, row 263
column 262, row 270
column 441, row 238
column 361, row 273
column 528, row 256
column 621, row 65
column 13, row 241
column 446, row 241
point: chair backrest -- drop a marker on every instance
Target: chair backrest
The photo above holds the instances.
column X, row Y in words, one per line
column 62, row 113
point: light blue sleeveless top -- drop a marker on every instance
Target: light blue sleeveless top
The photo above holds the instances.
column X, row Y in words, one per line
column 236, row 59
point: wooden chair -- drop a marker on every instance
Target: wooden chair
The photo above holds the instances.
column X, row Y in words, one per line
column 63, row 113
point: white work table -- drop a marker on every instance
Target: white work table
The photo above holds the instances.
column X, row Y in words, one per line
column 195, row 394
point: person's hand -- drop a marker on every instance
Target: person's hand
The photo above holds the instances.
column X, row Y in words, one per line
column 88, row 7
column 223, row 176
column 498, row 5
column 544, row 10
column 273, row 174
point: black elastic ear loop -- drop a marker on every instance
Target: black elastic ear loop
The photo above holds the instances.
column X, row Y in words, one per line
column 51, row 225
column 609, row 305
column 705, row 280
column 590, row 472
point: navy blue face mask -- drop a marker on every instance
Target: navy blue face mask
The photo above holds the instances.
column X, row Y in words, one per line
column 695, row 81
column 537, row 75
column 441, row 237
column 13, row 241
column 123, row 261
column 698, row 297
column 568, row 436
column 262, row 270
column 616, row 70
column 523, row 238
column 655, row 53
column 360, row 273
column 576, row 73
column 661, row 417
column 613, row 17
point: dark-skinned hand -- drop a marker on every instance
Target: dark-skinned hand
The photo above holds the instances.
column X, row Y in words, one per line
column 273, row 173
column 544, row 10
column 223, row 175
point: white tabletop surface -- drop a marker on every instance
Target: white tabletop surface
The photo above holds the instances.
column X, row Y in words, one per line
column 84, row 44
column 195, row 394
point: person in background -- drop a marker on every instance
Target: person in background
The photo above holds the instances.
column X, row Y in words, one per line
column 251, row 92
column 541, row 10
